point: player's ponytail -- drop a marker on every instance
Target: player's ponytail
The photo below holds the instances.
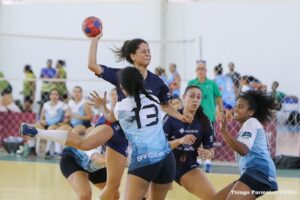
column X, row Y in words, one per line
column 131, row 80
column 137, row 100
column 144, row 91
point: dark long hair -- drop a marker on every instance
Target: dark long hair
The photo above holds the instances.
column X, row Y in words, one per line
column 262, row 104
column 132, row 82
column 129, row 47
column 28, row 68
column 205, row 122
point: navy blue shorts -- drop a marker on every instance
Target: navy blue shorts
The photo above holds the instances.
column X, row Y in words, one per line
column 258, row 188
column 68, row 166
column 86, row 124
column 118, row 142
column 161, row 172
column 180, row 171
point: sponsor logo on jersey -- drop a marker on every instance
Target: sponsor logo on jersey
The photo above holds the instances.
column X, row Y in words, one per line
column 181, row 130
column 169, row 94
column 191, row 131
column 246, row 135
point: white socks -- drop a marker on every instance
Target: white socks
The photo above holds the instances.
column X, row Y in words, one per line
column 59, row 136
column 31, row 142
column 207, row 161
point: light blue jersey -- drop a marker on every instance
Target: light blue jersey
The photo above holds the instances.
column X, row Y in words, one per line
column 226, row 88
column 175, row 92
column 77, row 108
column 84, row 158
column 147, row 138
column 257, row 163
column 54, row 113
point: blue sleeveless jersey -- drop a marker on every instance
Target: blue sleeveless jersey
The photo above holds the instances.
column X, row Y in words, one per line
column 77, row 108
column 54, row 113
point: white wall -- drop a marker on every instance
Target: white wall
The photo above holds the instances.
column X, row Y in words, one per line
column 58, row 28
column 261, row 37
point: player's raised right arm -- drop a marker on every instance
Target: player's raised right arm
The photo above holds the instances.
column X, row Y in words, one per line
column 92, row 61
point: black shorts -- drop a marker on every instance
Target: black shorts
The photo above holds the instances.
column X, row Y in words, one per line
column 68, row 166
column 161, row 172
column 180, row 171
column 28, row 99
column 118, row 141
column 258, row 188
column 86, row 124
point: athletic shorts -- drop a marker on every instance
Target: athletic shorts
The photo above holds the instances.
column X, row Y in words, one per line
column 181, row 170
column 86, row 124
column 118, row 141
column 68, row 166
column 255, row 185
column 161, row 172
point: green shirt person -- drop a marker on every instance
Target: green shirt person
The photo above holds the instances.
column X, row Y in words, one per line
column 5, row 87
column 61, row 74
column 3, row 83
column 211, row 95
column 277, row 95
column 29, row 84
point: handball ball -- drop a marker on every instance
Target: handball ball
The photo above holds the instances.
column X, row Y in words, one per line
column 92, row 26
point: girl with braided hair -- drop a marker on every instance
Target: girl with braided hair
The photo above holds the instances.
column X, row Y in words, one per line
column 152, row 161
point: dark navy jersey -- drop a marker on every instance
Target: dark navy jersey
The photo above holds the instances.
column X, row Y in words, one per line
column 187, row 154
column 153, row 84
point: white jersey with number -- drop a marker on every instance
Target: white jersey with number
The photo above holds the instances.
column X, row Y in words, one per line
column 146, row 136
column 257, row 162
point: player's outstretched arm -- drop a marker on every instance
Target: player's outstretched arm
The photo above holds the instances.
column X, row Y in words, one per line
column 92, row 60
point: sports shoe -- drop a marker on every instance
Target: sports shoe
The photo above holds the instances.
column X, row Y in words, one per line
column 56, row 156
column 207, row 168
column 26, row 151
column 27, row 129
column 48, row 155
column 32, row 151
column 20, row 150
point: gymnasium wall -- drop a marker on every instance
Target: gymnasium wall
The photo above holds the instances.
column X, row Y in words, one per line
column 261, row 37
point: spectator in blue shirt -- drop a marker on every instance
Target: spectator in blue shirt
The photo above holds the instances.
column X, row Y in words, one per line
column 47, row 72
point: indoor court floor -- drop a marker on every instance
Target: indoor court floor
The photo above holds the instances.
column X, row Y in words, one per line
column 38, row 180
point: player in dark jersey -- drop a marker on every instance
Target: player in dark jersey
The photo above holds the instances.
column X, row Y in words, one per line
column 137, row 53
column 190, row 141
